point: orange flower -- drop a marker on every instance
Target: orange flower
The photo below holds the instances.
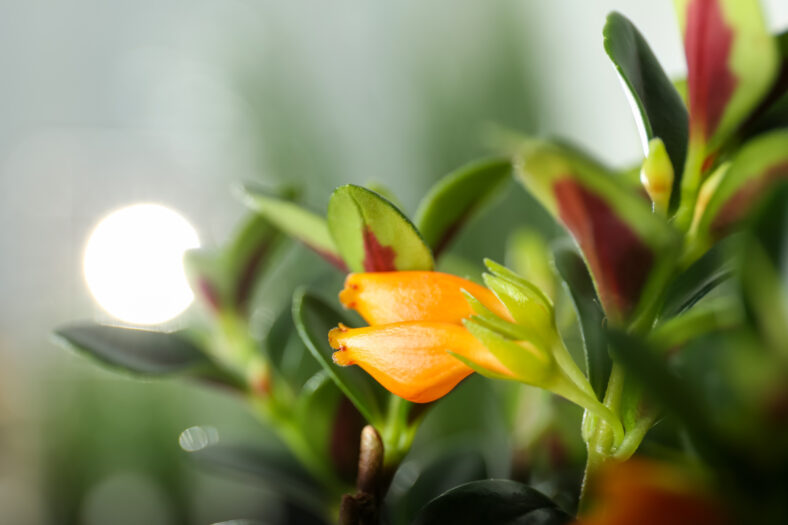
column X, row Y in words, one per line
column 393, row 297
column 416, row 320
column 647, row 492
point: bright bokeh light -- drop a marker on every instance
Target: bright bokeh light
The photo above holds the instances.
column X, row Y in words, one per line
column 134, row 263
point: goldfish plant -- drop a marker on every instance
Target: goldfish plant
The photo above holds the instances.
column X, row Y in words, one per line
column 660, row 312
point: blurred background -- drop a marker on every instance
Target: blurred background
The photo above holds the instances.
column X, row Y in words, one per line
column 106, row 103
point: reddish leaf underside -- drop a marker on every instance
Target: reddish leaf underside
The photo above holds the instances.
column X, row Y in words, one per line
column 243, row 288
column 377, row 258
column 736, row 207
column 619, row 260
column 711, row 83
column 332, row 258
column 209, row 294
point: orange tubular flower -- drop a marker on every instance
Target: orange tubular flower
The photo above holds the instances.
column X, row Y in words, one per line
column 394, row 297
column 416, row 320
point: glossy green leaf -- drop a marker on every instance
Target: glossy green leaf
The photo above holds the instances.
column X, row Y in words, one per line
column 629, row 250
column 295, row 221
column 757, row 167
column 371, row 234
column 225, row 278
column 453, row 467
column 314, row 318
column 456, row 197
column 731, row 61
column 590, row 316
column 492, row 502
column 659, row 109
column 141, row 352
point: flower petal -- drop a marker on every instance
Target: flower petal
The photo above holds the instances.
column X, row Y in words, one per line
column 394, row 297
column 410, row 359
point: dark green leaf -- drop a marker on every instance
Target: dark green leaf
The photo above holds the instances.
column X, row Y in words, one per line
column 660, row 109
column 314, row 318
column 141, row 352
column 372, row 235
column 492, row 502
column 677, row 397
column 454, row 199
column 578, row 283
column 703, row 276
column 274, row 469
column 450, row 469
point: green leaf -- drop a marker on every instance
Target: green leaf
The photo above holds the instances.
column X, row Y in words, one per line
column 316, row 410
column 287, row 353
column 225, row 278
column 314, row 318
column 659, row 107
column 701, row 278
column 274, row 469
column 456, row 197
column 295, row 221
column 451, row 468
column 141, row 352
column 731, row 62
column 591, row 318
column 678, row 397
column 492, row 502
column 773, row 110
column 372, row 235
column 629, row 250
column 754, row 171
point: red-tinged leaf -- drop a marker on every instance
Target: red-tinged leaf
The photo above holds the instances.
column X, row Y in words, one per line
column 377, row 258
column 295, row 221
column 371, row 234
column 731, row 61
column 456, row 197
column 627, row 248
column 226, row 278
column 757, row 168
column 619, row 259
column 711, row 83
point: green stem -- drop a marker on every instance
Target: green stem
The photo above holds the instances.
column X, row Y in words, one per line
column 394, row 433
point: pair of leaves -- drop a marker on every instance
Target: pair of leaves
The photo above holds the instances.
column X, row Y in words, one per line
column 143, row 353
column 364, row 231
column 493, row 502
column 629, row 250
